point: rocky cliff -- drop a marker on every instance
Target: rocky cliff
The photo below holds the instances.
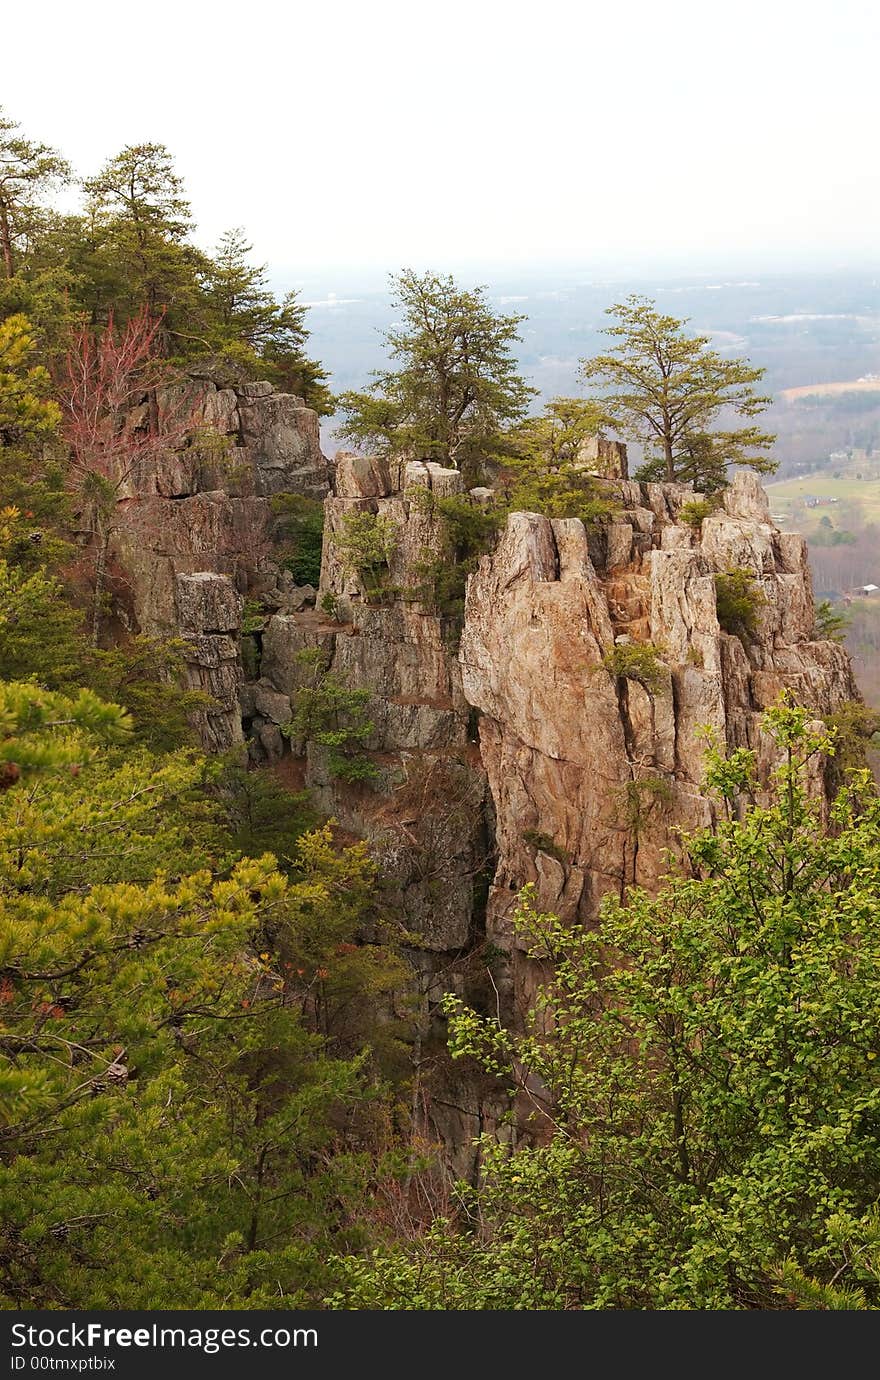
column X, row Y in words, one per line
column 593, row 774
column 196, row 524
column 507, row 747
column 508, row 751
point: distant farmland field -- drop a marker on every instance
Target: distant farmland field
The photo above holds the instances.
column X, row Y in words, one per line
column 858, row 501
column 829, row 390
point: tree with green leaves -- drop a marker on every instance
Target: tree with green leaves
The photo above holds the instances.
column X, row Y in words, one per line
column 668, row 389
column 831, row 623
column 42, row 731
column 27, row 412
column 697, row 1089
column 246, row 322
column 141, row 223
column 147, row 1041
column 183, row 1037
column 545, row 470
column 130, row 251
column 28, row 171
column 456, row 385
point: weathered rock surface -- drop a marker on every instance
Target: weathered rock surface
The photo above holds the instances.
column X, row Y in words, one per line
column 244, row 439
column 422, row 738
column 520, row 757
column 209, row 619
column 196, row 524
column 600, row 766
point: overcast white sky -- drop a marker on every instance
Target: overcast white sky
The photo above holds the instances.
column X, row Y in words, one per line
column 693, row 133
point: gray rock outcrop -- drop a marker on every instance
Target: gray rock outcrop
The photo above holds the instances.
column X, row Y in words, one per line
column 196, row 524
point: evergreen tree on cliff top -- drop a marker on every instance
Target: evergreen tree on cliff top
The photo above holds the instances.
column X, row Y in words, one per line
column 141, row 221
column 246, row 322
column 28, row 171
column 667, row 389
column 456, row 384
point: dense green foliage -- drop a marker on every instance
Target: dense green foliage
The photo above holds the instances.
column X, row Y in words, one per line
column 456, row 385
column 25, row 409
column 182, row 1023
column 831, row 623
column 463, row 531
column 543, row 470
column 638, row 661
column 695, row 512
column 300, row 536
column 333, row 717
column 739, row 599
column 131, row 250
column 364, row 544
column 666, row 387
column 702, row 1071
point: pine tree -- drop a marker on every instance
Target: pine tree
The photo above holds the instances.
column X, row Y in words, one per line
column 27, row 413
column 247, row 323
column 140, row 222
column 457, row 384
column 28, row 171
column 666, row 388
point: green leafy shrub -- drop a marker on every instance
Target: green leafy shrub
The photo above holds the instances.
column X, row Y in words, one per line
column 299, row 524
column 147, row 677
column 543, row 843
column 831, row 623
column 364, row 544
column 855, row 729
column 253, row 617
column 467, row 531
column 544, row 473
column 329, row 714
column 329, row 604
column 639, row 798
column 738, row 602
column 695, row 513
column 637, row 661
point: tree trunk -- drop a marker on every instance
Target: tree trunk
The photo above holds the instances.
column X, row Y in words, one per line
column 414, row 1110
column 100, row 576
column 6, row 241
column 670, row 459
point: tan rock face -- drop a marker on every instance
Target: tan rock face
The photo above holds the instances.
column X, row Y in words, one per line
column 361, row 476
column 281, row 439
column 161, row 538
column 605, row 769
column 428, row 816
column 244, row 439
column 605, row 458
column 590, row 774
